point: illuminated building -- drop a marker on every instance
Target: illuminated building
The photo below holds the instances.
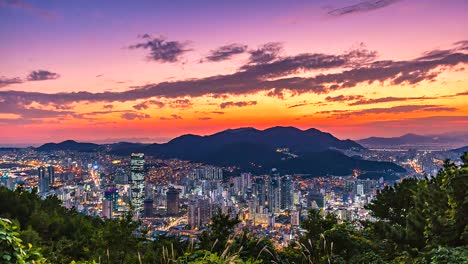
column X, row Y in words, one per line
column 51, row 174
column 107, row 209
column 287, row 189
column 43, row 180
column 137, row 181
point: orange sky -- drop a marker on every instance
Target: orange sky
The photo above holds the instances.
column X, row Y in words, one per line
column 91, row 74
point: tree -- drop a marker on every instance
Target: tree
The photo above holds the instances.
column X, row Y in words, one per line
column 12, row 249
column 220, row 231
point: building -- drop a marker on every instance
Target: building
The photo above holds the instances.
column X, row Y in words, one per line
column 172, row 201
column 274, row 194
column 148, row 208
column 51, row 174
column 107, row 209
column 112, row 195
column 137, row 181
column 200, row 212
column 43, row 180
column 287, row 193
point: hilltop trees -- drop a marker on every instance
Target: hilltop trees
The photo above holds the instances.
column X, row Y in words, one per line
column 417, row 221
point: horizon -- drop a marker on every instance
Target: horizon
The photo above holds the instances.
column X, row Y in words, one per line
column 166, row 140
column 107, row 71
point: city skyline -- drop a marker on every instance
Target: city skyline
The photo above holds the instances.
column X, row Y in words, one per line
column 151, row 72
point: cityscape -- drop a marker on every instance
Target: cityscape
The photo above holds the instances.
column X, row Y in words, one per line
column 179, row 197
column 234, row 132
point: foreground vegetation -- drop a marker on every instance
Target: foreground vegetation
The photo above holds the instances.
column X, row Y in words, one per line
column 419, row 221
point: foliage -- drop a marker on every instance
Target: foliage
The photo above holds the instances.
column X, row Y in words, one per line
column 417, row 221
column 12, row 249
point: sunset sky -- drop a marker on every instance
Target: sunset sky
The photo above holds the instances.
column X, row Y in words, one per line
column 149, row 71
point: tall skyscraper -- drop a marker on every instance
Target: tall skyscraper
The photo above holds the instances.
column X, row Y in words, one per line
column 112, row 195
column 287, row 189
column 148, row 208
column 274, row 194
column 137, row 181
column 51, row 173
column 43, row 180
column 172, row 201
column 107, row 209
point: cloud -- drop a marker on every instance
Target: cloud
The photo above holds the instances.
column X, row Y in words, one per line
column 343, row 98
column 266, row 53
column 349, row 69
column 364, row 101
column 388, row 110
column 8, row 81
column 237, row 104
column 298, row 105
column 162, row 50
column 204, row 118
column 226, row 52
column 42, row 75
column 147, row 104
column 363, row 6
column 172, row 117
column 108, row 106
column 419, row 125
column 218, row 112
column 134, row 116
column 22, row 5
column 181, row 103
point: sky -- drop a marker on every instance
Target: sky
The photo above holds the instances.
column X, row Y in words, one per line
column 149, row 71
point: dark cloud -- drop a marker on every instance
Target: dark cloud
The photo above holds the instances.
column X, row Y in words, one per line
column 204, row 118
column 147, row 104
column 363, row 6
column 226, row 52
column 388, row 110
column 22, row 5
column 8, row 81
column 266, row 53
column 237, row 104
column 42, row 75
column 108, row 106
column 420, row 125
column 343, row 98
column 133, row 116
column 172, row 117
column 162, row 50
column 350, row 69
column 218, row 112
column 364, row 101
column 181, row 103
column 298, row 105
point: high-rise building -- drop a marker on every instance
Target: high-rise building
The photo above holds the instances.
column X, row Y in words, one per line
column 43, row 180
column 274, row 194
column 51, row 173
column 259, row 189
column 107, row 209
column 287, row 193
column 137, row 181
column 200, row 212
column 172, row 201
column 148, row 208
column 112, row 195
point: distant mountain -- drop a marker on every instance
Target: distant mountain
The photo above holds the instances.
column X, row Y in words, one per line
column 461, row 150
column 253, row 150
column 69, row 145
column 410, row 140
column 261, row 158
column 298, row 141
